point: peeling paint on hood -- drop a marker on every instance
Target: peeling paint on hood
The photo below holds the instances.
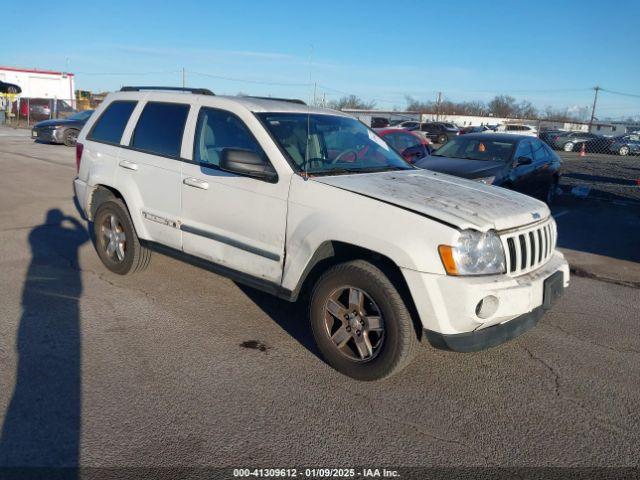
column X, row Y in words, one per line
column 457, row 201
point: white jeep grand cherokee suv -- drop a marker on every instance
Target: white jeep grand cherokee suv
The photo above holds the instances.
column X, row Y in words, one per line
column 309, row 203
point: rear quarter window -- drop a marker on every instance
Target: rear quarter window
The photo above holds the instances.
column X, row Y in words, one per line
column 160, row 127
column 111, row 124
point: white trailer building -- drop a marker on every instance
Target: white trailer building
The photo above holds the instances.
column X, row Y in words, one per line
column 41, row 83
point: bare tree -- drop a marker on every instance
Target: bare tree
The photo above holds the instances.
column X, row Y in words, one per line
column 503, row 106
column 351, row 101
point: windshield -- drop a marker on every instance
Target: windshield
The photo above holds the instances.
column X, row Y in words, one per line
column 333, row 145
column 80, row 115
column 481, row 148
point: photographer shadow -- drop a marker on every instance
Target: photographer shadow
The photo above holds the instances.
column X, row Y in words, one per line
column 42, row 423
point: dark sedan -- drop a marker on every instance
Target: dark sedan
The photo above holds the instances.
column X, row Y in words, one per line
column 61, row 130
column 574, row 141
column 438, row 132
column 518, row 162
column 626, row 144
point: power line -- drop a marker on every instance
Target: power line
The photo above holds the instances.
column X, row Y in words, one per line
column 128, row 73
column 245, row 80
column 620, row 93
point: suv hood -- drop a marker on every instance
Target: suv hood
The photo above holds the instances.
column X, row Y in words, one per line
column 456, row 201
column 56, row 122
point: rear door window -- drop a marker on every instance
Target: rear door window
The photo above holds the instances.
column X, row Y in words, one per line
column 160, row 128
column 111, row 124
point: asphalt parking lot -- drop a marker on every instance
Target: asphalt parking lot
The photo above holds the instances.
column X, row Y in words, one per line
column 179, row 367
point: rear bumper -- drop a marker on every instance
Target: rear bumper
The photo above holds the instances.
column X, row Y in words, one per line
column 81, row 191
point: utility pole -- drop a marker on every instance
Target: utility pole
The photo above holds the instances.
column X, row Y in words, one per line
column 438, row 106
column 315, row 88
column 184, row 81
column 593, row 109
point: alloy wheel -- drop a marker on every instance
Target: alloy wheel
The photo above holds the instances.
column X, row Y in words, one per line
column 114, row 239
column 354, row 323
column 624, row 150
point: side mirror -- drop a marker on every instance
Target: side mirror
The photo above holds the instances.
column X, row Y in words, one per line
column 248, row 163
column 523, row 161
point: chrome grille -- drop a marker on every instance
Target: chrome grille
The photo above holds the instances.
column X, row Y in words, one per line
column 529, row 248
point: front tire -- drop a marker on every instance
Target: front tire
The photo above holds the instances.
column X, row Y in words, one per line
column 624, row 150
column 360, row 323
column 70, row 137
column 442, row 139
column 116, row 240
column 568, row 147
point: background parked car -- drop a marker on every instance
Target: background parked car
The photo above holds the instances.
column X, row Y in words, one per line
column 517, row 129
column 42, row 108
column 547, row 135
column 437, row 132
column 518, row 162
column 626, row 144
column 408, row 124
column 410, row 145
column 379, row 122
column 61, row 130
column 572, row 141
column 473, row 129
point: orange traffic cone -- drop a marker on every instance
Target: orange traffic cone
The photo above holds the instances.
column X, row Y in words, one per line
column 583, row 151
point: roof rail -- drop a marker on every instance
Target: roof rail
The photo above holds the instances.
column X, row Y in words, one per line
column 290, row 100
column 199, row 91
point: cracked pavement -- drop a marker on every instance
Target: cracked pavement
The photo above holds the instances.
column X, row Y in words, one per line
column 149, row 370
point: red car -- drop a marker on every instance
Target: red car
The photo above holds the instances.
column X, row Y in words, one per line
column 410, row 145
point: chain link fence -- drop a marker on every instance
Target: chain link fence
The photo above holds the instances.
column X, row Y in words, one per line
column 22, row 112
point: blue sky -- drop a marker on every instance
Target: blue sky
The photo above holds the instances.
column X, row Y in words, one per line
column 550, row 52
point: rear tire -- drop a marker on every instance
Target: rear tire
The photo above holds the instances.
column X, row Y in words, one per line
column 624, row 150
column 568, row 147
column 116, row 240
column 367, row 335
column 442, row 139
column 70, row 137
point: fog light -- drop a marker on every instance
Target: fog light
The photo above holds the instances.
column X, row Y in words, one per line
column 487, row 307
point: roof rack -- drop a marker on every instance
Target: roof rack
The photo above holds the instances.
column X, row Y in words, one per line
column 198, row 91
column 290, row 100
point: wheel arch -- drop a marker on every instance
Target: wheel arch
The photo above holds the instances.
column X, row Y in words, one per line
column 103, row 193
column 333, row 252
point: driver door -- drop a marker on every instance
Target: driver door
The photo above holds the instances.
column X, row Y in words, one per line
column 233, row 220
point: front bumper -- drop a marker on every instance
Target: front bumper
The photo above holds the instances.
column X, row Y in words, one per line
column 447, row 305
column 503, row 332
column 46, row 135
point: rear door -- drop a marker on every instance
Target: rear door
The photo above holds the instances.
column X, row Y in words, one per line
column 149, row 169
column 233, row 220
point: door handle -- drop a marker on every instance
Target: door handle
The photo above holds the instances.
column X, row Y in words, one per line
column 128, row 165
column 196, row 183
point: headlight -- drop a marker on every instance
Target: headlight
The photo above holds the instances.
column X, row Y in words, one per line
column 475, row 253
column 487, row 180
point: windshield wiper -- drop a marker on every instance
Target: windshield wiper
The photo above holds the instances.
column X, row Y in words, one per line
column 342, row 170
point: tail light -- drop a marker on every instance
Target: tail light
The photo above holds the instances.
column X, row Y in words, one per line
column 79, row 149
